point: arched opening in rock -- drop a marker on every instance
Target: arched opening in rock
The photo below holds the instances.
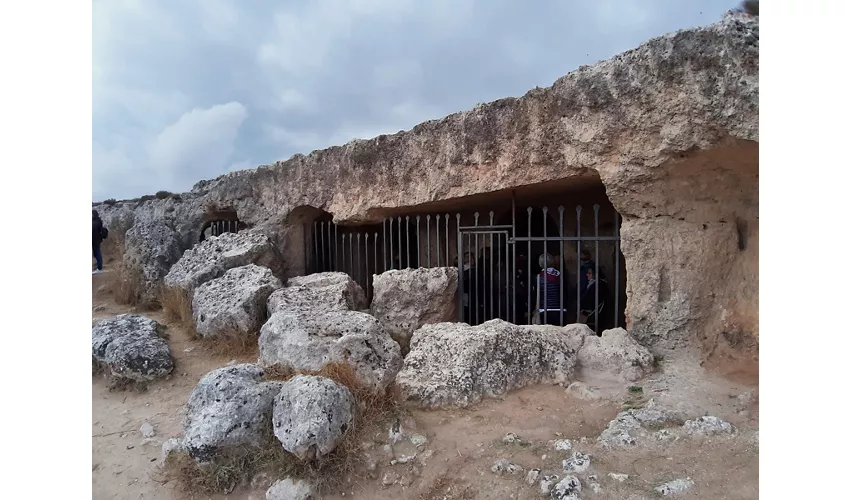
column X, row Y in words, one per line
column 220, row 221
column 299, row 244
column 502, row 236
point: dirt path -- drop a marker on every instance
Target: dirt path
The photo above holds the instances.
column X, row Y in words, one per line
column 462, row 445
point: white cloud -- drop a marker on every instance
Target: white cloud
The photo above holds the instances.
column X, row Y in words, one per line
column 303, row 75
column 202, row 140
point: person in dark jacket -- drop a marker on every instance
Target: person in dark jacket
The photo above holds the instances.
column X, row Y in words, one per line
column 96, row 239
column 588, row 297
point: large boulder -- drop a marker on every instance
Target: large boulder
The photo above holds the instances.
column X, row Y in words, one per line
column 151, row 247
column 212, row 257
column 312, row 415
column 234, row 303
column 310, row 339
column 454, row 364
column 131, row 347
column 407, row 299
column 615, row 353
column 230, row 409
column 325, row 291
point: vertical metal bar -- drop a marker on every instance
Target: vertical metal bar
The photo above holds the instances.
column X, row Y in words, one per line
column 528, row 278
column 461, row 288
column 357, row 272
column 342, row 254
column 578, row 264
column 491, row 315
column 447, row 238
column 471, row 285
column 418, row 245
column 596, row 271
column 407, row 233
column 366, row 259
column 331, row 249
column 438, row 244
column 499, row 285
column 561, row 257
column 336, row 252
column 315, row 245
column 391, row 243
column 400, row 263
column 475, row 256
column 512, row 295
column 321, row 237
column 375, row 244
column 428, row 239
column 384, row 242
column 351, row 254
column 617, row 270
column 544, row 299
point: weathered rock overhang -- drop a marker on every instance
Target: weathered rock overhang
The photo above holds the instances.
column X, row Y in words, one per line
column 664, row 126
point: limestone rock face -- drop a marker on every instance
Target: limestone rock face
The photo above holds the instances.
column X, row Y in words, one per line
column 615, row 353
column 229, row 409
column 312, row 415
column 324, row 291
column 407, row 299
column 234, row 303
column 307, row 340
column 671, row 129
column 131, row 347
column 151, row 247
column 212, row 258
column 454, row 364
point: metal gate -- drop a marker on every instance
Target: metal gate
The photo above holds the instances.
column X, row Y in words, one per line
column 498, row 282
column 497, row 264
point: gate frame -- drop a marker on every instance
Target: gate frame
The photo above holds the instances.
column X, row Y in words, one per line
column 512, row 239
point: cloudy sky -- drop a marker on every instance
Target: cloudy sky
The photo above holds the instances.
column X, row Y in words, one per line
column 185, row 90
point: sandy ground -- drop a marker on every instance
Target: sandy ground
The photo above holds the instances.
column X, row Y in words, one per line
column 462, row 445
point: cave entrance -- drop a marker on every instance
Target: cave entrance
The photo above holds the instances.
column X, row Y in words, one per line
column 218, row 222
column 502, row 237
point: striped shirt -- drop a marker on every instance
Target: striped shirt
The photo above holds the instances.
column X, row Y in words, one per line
column 549, row 283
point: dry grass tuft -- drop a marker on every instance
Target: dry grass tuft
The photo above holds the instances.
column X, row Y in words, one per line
column 127, row 286
column 178, row 308
column 112, row 248
column 226, row 472
column 232, row 344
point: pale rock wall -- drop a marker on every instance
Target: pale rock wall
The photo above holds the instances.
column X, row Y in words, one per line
column 671, row 128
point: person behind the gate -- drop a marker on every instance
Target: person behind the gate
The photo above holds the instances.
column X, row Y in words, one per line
column 548, row 285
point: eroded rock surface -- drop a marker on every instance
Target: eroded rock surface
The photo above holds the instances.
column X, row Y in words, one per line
column 454, row 364
column 404, row 300
column 615, row 353
column 131, row 346
column 708, row 426
column 151, row 247
column 214, row 256
column 323, row 291
column 629, row 426
column 309, row 339
column 291, row 489
column 230, row 409
column 312, row 415
column 234, row 303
